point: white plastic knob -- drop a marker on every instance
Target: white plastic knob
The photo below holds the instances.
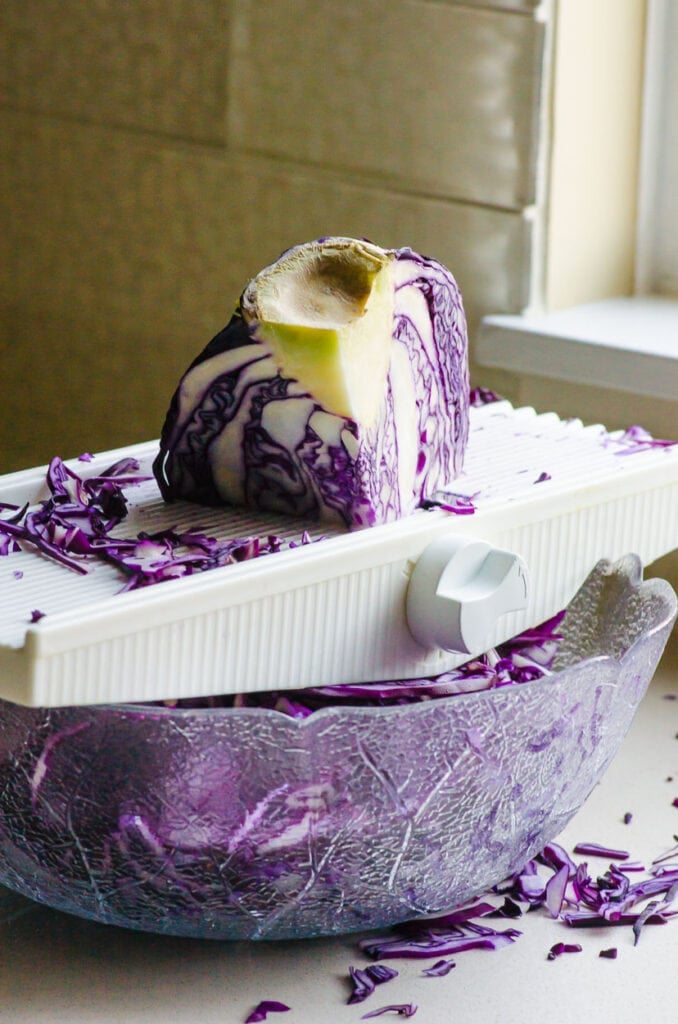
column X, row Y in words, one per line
column 458, row 590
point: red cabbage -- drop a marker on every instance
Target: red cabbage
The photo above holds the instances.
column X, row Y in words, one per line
column 363, row 985
column 439, row 969
column 339, row 389
column 365, row 980
column 483, row 396
column 521, row 659
column 458, row 504
column 667, row 855
column 581, row 902
column 73, row 526
column 563, row 947
column 265, row 1007
column 595, row 850
column 402, row 1009
column 380, row 973
column 426, row 941
column 554, row 892
column 637, row 439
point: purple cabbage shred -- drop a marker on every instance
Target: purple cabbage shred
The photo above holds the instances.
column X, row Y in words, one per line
column 266, row 1006
column 363, row 985
column 483, row 396
column 567, row 893
column 425, row 940
column 73, row 526
column 457, row 504
column 365, row 980
column 595, row 850
column 563, row 947
column 439, row 969
column 380, row 973
column 637, row 439
column 521, row 659
column 402, row 1009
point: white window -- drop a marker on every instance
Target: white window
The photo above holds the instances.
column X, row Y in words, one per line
column 657, row 249
column 621, row 337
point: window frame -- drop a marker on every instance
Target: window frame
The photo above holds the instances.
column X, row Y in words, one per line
column 656, row 270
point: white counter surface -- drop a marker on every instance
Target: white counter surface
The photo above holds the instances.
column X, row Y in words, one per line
column 56, row 969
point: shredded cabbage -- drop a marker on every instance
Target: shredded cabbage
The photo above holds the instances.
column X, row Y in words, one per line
column 73, row 526
column 364, row 980
column 401, row 1009
column 266, row 1006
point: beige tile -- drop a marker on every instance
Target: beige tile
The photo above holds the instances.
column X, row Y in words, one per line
column 75, row 384
column 432, row 97
column 136, row 228
column 148, row 64
column 522, row 6
column 122, row 255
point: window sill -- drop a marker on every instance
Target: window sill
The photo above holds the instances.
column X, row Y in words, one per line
column 626, row 344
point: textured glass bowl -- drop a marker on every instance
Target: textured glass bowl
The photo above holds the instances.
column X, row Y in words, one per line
column 249, row 824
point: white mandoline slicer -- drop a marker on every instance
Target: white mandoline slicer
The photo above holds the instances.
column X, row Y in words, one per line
column 408, row 599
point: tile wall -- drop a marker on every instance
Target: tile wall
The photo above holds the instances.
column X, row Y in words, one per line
column 157, row 153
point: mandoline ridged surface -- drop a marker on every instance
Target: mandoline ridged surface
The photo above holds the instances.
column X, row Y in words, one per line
column 603, row 497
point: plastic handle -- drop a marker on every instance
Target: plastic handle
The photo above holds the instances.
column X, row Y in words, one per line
column 458, row 590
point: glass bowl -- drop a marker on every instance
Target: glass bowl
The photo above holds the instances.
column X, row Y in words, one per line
column 248, row 824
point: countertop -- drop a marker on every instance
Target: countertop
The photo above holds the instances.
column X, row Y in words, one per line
column 55, row 968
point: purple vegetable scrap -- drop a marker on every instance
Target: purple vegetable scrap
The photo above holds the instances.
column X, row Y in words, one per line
column 522, row 659
column 543, row 477
column 563, row 947
column 555, row 891
column 642, row 919
column 365, row 980
column 509, row 908
column 363, row 985
column 609, row 954
column 427, row 938
column 265, row 1007
column 596, row 850
column 667, row 855
column 631, row 866
column 483, row 396
column 402, row 1009
column 439, row 969
column 36, row 615
column 380, row 973
column 628, row 818
column 74, row 527
column 458, row 504
column 635, row 439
